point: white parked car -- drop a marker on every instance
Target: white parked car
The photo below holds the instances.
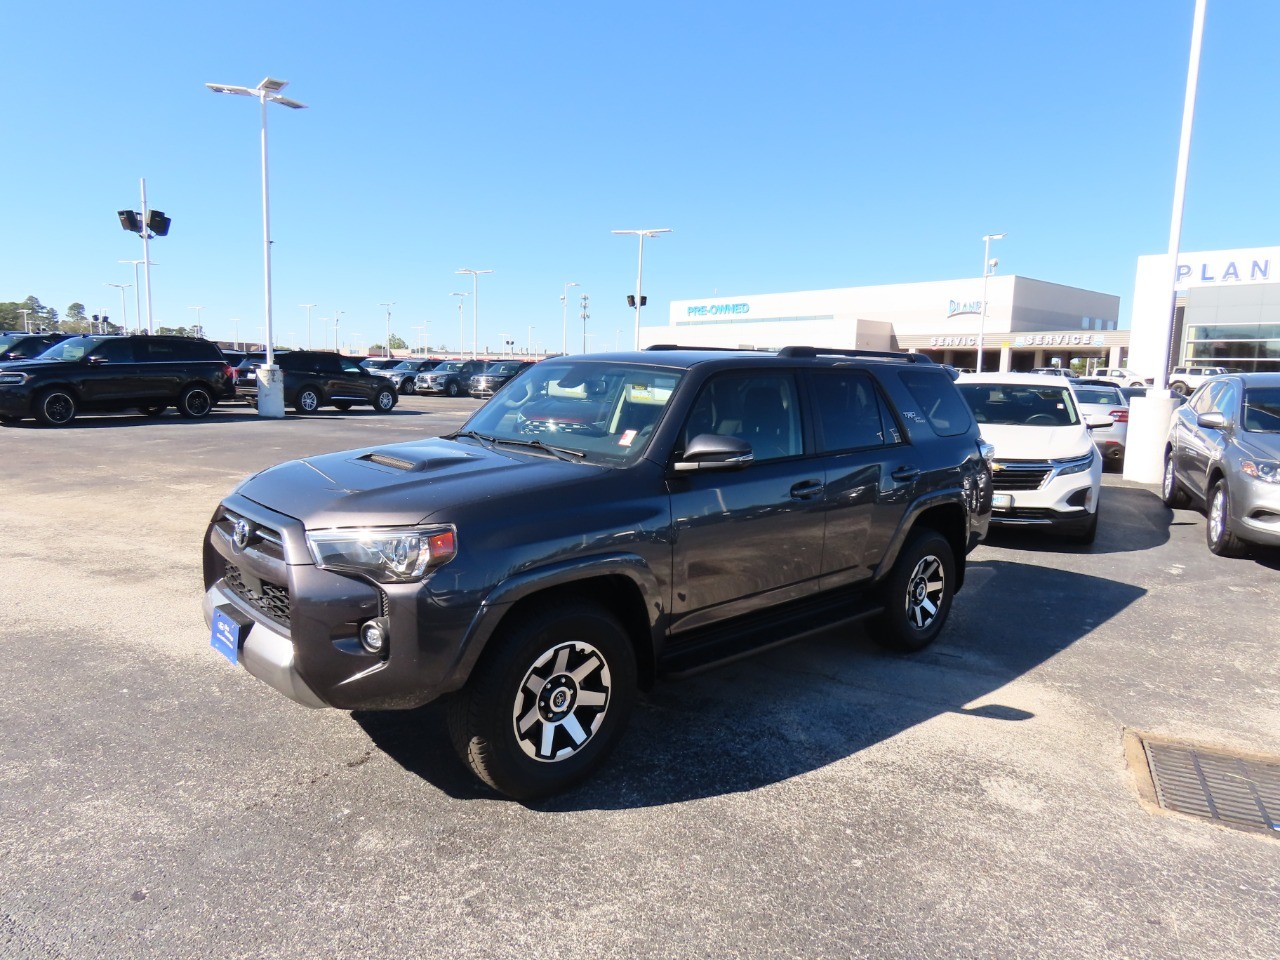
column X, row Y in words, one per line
column 1120, row 376
column 1105, row 401
column 1046, row 471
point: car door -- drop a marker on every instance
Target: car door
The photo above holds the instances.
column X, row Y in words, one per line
column 1194, row 442
column 747, row 539
column 161, row 368
column 859, row 445
column 108, row 374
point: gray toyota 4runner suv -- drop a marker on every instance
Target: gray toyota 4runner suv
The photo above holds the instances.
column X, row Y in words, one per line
column 604, row 520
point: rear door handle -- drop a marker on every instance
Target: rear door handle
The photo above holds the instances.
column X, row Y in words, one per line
column 903, row 474
column 806, row 489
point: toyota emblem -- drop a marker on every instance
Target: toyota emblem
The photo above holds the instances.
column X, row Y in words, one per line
column 240, row 534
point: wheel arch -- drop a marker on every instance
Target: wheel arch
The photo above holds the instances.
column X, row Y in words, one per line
column 945, row 515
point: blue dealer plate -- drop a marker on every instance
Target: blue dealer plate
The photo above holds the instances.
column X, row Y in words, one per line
column 226, row 635
column 1001, row 501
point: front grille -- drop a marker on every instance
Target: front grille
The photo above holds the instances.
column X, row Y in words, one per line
column 257, row 531
column 1019, row 474
column 272, row 601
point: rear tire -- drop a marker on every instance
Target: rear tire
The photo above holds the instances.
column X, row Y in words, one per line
column 1170, row 491
column 1218, row 533
column 307, row 401
column 917, row 593
column 548, row 700
column 1180, row 388
column 195, row 402
column 55, row 408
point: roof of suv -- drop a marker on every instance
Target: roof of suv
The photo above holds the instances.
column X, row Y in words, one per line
column 670, row 355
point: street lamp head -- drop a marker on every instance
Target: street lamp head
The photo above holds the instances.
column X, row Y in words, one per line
column 995, row 236
column 644, row 233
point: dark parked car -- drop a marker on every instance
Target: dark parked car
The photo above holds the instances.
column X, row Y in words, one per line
column 1223, row 455
column 486, row 383
column 450, row 377
column 702, row 505
column 26, row 346
column 104, row 373
column 404, row 373
column 317, row 378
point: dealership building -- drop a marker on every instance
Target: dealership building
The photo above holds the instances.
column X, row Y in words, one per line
column 1028, row 323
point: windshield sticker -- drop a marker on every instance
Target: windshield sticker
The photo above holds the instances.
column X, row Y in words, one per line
column 626, row 438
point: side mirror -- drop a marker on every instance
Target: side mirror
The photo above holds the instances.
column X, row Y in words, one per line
column 1213, row 420
column 711, row 451
column 1098, row 421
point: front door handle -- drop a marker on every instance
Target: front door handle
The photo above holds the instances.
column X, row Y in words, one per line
column 806, row 489
column 905, row 473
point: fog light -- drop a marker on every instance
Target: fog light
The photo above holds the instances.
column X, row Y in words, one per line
column 373, row 636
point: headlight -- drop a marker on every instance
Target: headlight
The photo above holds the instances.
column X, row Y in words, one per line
column 388, row 554
column 1267, row 470
column 14, row 379
column 1079, row 465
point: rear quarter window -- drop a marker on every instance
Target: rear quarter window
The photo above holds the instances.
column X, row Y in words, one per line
column 939, row 401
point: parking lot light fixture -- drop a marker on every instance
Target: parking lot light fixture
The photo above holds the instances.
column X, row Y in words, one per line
column 124, row 313
column 270, row 387
column 462, row 329
column 564, row 318
column 475, row 307
column 388, row 306
column 988, row 267
column 308, row 307
column 640, row 269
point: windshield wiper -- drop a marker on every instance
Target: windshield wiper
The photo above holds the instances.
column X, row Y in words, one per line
column 484, row 438
column 564, row 453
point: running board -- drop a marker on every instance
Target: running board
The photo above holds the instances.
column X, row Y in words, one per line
column 756, row 633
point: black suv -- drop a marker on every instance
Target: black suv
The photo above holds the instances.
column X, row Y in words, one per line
column 103, row 373
column 317, row 378
column 26, row 346
column 602, row 521
column 486, row 383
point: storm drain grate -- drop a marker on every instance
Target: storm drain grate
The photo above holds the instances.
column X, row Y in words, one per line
column 1232, row 790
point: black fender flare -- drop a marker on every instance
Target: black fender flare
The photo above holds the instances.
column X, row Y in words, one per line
column 941, row 498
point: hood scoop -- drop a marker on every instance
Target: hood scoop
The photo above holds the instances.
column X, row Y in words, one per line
column 409, row 464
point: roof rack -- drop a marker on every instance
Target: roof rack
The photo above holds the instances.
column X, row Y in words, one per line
column 677, row 346
column 842, row 352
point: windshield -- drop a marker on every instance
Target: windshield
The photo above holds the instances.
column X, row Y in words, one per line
column 450, row 366
column 71, row 350
column 406, row 365
column 1020, row 404
column 502, row 369
column 1108, row 395
column 1262, row 409
column 606, row 411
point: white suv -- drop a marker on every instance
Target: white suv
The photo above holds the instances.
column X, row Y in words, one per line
column 1046, row 471
column 1120, row 376
column 1186, row 380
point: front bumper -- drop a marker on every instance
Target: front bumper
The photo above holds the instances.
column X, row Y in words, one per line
column 15, row 402
column 1064, row 501
column 304, row 622
column 1257, row 507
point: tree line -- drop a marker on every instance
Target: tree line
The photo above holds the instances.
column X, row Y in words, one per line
column 31, row 314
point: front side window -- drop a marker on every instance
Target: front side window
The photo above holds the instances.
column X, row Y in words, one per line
column 114, row 351
column 761, row 409
column 347, row 365
column 1202, row 400
column 1020, row 404
column 602, row 413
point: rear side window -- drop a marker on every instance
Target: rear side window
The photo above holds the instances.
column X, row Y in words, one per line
column 939, row 401
column 159, row 351
column 850, row 412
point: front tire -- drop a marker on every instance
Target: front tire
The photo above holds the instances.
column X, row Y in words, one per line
column 56, row 408
column 406, row 386
column 917, row 593
column 1218, row 534
column 307, row 401
column 1180, row 388
column 453, row 389
column 385, row 400
column 548, row 700
column 195, row 402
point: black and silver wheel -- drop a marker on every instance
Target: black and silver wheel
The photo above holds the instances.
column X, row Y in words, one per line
column 453, row 389
column 917, row 593
column 55, row 408
column 308, row 400
column 195, row 402
column 1217, row 530
column 153, row 409
column 385, row 400
column 547, row 701
column 1171, row 491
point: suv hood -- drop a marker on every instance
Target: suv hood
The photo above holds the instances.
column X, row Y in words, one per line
column 400, row 484
column 1016, row 442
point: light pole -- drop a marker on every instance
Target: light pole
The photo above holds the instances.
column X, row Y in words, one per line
column 640, row 269
column 475, row 307
column 388, row 306
column 335, row 334
column 462, row 330
column 988, row 265
column 422, row 337
column 199, row 328
column 235, row 332
column 530, row 340
column 585, row 317
column 506, row 342
column 270, row 386
column 123, row 311
column 137, row 290
column 564, row 318
column 308, row 307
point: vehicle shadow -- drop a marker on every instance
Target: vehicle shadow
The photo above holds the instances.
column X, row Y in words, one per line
column 805, row 706
column 96, row 421
column 1132, row 519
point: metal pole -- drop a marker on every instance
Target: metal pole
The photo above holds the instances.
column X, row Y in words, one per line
column 982, row 320
column 266, row 229
column 308, row 307
column 475, row 315
column 564, row 316
column 146, row 257
column 639, row 276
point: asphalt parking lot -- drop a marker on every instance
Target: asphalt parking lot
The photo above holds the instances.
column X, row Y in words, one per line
column 822, row 800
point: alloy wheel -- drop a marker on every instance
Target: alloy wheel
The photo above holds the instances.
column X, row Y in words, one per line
column 561, row 702
column 925, row 589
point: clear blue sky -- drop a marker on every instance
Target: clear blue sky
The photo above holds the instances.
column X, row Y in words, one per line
column 790, row 146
